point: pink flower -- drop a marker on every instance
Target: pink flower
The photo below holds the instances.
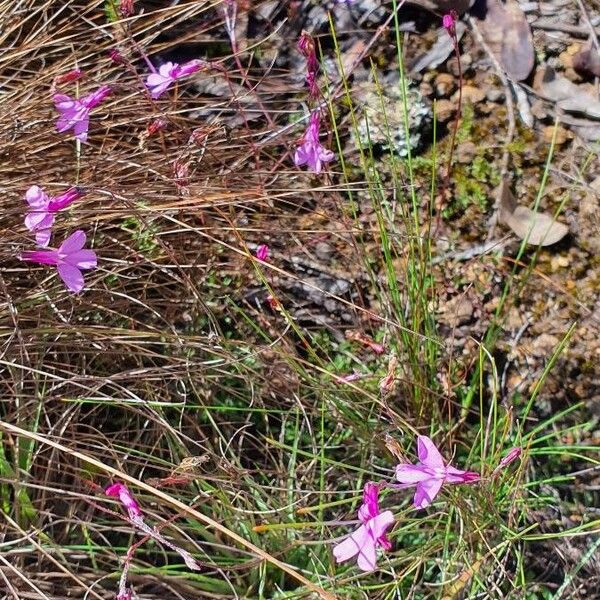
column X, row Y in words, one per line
column 75, row 113
column 120, row 491
column 355, row 376
column 364, row 541
column 158, row 83
column 311, row 152
column 430, row 473
column 262, row 252
column 43, row 208
column 449, row 22
column 69, row 260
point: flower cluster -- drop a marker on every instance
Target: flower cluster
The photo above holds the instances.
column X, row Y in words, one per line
column 70, row 258
column 428, row 476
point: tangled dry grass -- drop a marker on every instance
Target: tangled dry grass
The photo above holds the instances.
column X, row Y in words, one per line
column 168, row 371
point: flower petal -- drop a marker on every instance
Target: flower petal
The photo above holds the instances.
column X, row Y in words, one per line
column 428, row 453
column 367, row 556
column 73, row 243
column 379, row 524
column 351, row 546
column 427, row 491
column 411, row 474
column 42, row 237
column 71, row 276
column 81, row 128
column 82, row 259
column 36, row 197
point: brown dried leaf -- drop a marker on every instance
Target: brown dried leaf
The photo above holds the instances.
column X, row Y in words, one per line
column 586, row 61
column 539, row 229
column 506, row 31
column 568, row 96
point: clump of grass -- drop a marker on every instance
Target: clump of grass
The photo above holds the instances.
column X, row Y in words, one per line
column 166, row 369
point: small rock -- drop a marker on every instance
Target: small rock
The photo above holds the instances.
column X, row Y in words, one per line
column 495, row 95
column 323, row 251
column 559, row 262
column 470, row 94
column 543, row 345
column 444, row 109
column 562, row 134
column 426, row 89
column 466, row 152
column 444, row 85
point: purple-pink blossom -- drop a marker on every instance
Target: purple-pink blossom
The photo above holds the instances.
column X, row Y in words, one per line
column 70, row 259
column 430, row 473
column 75, row 112
column 43, row 208
column 168, row 73
column 262, row 252
column 120, row 491
column 371, row 533
column 310, row 152
column 449, row 22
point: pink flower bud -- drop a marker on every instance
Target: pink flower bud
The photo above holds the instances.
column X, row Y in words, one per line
column 126, row 8
column 262, row 252
column 449, row 22
column 512, row 455
column 73, row 75
column 120, row 491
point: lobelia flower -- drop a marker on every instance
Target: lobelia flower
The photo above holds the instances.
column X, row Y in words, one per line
column 75, row 113
column 40, row 218
column 371, row 533
column 70, row 259
column 430, row 473
column 158, row 83
column 311, row 152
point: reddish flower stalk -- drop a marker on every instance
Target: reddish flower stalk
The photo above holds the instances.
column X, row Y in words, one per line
column 449, row 23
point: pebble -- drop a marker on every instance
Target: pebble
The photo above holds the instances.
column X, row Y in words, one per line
column 562, row 135
column 444, row 109
column 495, row 95
column 471, row 94
column 444, row 84
column 466, row 152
